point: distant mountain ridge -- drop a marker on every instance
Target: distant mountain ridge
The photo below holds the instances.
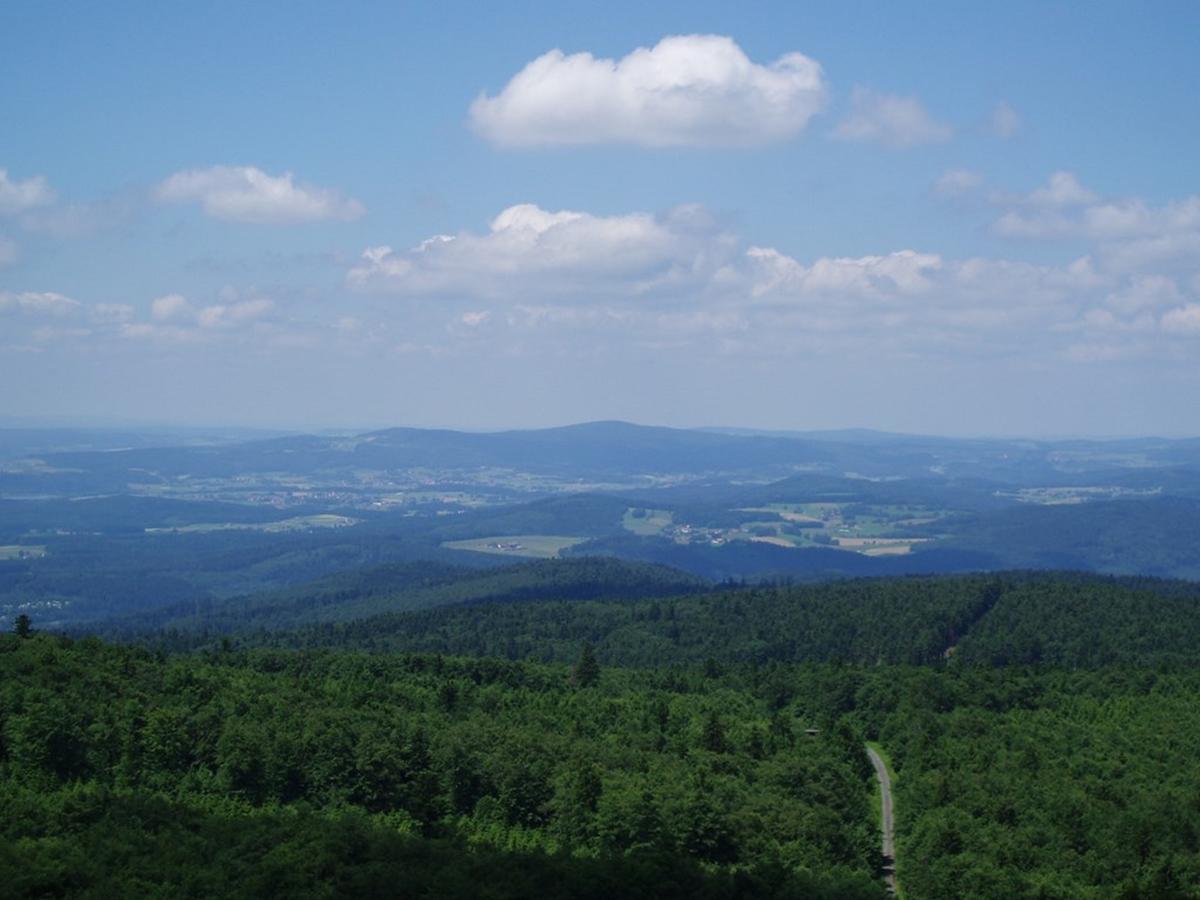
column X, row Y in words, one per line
column 610, row 451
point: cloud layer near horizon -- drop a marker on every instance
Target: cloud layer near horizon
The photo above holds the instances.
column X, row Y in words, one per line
column 687, row 90
column 678, row 276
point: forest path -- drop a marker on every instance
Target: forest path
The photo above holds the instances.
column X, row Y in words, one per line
column 887, row 823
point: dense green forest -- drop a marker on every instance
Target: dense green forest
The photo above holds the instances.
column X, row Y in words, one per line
column 288, row 774
column 1069, row 620
column 592, row 727
column 1041, row 783
column 400, row 587
column 251, row 773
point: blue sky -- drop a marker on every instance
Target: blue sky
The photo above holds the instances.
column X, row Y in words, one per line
column 940, row 217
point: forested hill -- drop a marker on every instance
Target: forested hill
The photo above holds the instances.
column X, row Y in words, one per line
column 368, row 592
column 1071, row 620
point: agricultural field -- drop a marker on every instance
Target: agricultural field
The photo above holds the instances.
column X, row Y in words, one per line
column 22, row 551
column 879, row 546
column 646, row 521
column 870, row 530
column 535, row 546
column 296, row 523
column 1057, row 496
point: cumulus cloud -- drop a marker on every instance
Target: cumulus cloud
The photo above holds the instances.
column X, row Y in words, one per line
column 177, row 310
column 39, row 321
column 1004, row 121
column 1061, row 190
column 902, row 272
column 890, row 120
column 1131, row 234
column 35, row 303
column 229, row 315
column 537, row 277
column 248, row 194
column 18, row 196
column 699, row 90
column 529, row 252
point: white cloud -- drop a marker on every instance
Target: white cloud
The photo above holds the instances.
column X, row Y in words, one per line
column 1131, row 234
column 1004, row 121
column 529, row 251
column 176, row 310
column 1184, row 320
column 540, row 278
column 34, row 303
column 889, row 119
column 172, row 307
column 697, row 90
column 1142, row 292
column 958, row 183
column 18, row 196
column 1061, row 190
column 230, row 315
column 247, row 194
column 902, row 272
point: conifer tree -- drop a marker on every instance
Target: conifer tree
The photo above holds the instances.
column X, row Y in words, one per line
column 587, row 671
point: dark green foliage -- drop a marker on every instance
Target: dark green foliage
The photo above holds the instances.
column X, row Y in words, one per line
column 1086, row 623
column 333, row 774
column 1005, row 618
column 587, row 671
column 22, row 627
column 1155, row 536
column 413, row 586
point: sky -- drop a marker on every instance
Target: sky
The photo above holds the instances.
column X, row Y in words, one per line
column 953, row 218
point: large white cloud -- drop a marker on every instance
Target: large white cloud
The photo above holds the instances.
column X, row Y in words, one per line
column 889, row 119
column 686, row 90
column 248, row 194
column 530, row 252
column 18, row 196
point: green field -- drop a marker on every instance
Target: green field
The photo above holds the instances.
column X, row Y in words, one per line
column 538, row 546
column 652, row 522
column 22, row 551
column 873, row 530
column 297, row 523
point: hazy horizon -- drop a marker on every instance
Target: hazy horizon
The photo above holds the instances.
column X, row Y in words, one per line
column 250, row 430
